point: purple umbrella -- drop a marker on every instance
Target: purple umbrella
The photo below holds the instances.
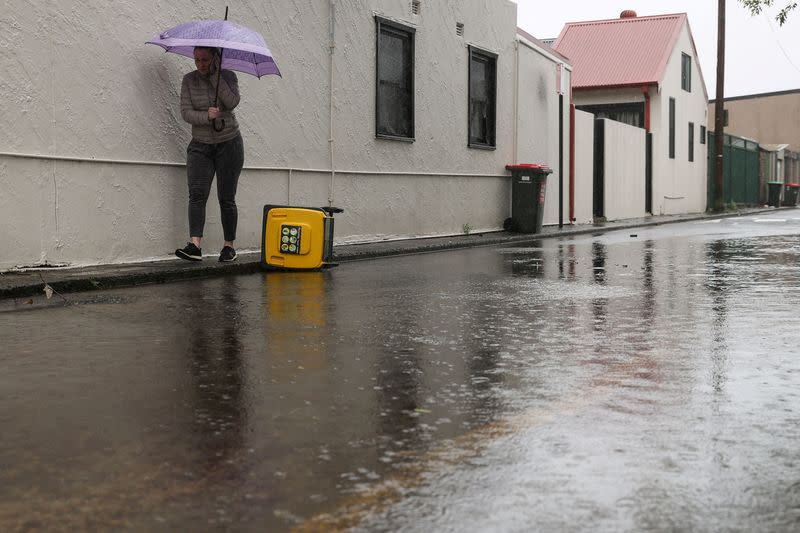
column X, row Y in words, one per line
column 243, row 50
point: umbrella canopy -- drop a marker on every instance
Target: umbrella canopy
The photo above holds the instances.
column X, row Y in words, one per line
column 244, row 49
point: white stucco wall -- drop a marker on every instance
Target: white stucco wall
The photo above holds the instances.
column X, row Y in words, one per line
column 679, row 186
column 538, row 122
column 624, row 182
column 92, row 155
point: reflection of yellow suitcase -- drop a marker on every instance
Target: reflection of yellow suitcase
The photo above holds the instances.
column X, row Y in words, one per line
column 297, row 238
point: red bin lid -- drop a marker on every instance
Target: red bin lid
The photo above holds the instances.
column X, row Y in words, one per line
column 528, row 166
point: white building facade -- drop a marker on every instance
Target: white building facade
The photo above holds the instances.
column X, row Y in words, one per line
column 660, row 90
column 92, row 150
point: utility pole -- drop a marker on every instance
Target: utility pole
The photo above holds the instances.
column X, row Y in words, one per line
column 719, row 110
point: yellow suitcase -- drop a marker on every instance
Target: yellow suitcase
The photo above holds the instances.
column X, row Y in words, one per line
column 297, row 238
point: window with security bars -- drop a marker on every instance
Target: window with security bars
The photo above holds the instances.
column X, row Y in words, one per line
column 631, row 114
column 482, row 98
column 394, row 83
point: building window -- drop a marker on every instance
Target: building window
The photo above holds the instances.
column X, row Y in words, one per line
column 703, row 134
column 672, row 128
column 691, row 141
column 631, row 114
column 686, row 73
column 482, row 98
column 394, row 81
column 724, row 118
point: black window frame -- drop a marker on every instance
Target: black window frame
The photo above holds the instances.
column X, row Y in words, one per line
column 703, row 134
column 617, row 112
column 391, row 27
column 672, row 128
column 490, row 138
column 691, row 142
column 686, row 72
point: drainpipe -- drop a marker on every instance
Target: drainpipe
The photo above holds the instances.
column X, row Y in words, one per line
column 516, row 102
column 332, row 34
column 561, row 145
column 571, row 161
column 648, row 172
column 561, row 160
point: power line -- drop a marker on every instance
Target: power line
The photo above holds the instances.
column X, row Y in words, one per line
column 786, row 55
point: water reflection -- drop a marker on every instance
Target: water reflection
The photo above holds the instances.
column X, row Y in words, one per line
column 599, row 305
column 484, row 343
column 648, row 286
column 567, row 262
column 296, row 321
column 599, row 255
column 399, row 381
column 718, row 285
column 218, row 390
column 530, row 261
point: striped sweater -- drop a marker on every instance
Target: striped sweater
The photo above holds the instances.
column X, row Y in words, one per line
column 197, row 95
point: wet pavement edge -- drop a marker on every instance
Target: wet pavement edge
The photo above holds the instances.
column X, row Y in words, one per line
column 26, row 283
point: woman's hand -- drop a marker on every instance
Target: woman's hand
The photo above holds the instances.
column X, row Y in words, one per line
column 213, row 113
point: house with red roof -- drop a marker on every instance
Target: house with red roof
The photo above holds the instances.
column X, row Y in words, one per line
column 644, row 71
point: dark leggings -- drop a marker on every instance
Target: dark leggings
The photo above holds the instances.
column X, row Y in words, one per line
column 202, row 162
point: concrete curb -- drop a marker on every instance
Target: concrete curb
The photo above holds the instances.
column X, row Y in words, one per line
column 30, row 283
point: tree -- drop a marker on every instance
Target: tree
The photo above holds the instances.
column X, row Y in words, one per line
column 757, row 6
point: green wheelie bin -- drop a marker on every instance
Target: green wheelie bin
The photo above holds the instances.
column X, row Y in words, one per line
column 775, row 189
column 528, row 186
column 790, row 194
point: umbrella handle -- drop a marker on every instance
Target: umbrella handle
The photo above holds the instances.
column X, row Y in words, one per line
column 216, row 93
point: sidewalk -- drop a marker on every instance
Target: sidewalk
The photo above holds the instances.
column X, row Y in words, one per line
column 29, row 283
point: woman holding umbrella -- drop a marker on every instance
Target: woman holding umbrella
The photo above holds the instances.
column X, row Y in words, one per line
column 208, row 97
column 216, row 147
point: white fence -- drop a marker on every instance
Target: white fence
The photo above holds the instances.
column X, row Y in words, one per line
column 584, row 167
column 623, row 171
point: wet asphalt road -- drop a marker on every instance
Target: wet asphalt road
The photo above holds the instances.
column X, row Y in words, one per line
column 643, row 380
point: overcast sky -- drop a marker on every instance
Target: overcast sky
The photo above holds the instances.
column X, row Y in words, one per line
column 760, row 55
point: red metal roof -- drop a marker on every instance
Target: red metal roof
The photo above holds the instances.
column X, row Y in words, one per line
column 620, row 52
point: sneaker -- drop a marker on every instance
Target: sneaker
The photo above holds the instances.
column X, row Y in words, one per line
column 190, row 252
column 227, row 254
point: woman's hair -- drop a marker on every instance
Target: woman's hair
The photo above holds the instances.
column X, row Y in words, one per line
column 212, row 50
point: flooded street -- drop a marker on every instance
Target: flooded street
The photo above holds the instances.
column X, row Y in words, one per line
column 639, row 380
